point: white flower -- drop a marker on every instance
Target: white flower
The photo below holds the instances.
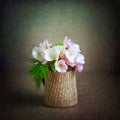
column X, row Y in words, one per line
column 44, row 45
column 80, row 59
column 70, row 55
column 38, row 54
column 76, row 47
column 61, row 49
column 52, row 54
column 60, row 66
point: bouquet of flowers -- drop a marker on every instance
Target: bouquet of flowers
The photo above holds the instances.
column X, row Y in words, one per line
column 60, row 57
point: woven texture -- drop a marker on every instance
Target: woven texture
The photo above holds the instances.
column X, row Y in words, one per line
column 60, row 89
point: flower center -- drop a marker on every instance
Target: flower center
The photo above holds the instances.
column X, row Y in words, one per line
column 53, row 57
column 61, row 65
column 39, row 53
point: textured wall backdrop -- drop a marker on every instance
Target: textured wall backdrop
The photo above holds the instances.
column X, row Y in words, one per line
column 93, row 25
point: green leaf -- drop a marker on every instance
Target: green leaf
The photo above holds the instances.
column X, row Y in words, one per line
column 52, row 66
column 33, row 60
column 37, row 79
column 44, row 71
column 39, row 72
column 59, row 44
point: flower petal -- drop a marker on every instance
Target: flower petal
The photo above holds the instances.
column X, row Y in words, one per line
column 38, row 54
column 79, row 67
column 67, row 42
column 52, row 54
column 79, row 59
column 60, row 66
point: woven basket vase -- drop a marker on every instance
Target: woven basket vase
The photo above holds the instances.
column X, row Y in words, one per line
column 61, row 90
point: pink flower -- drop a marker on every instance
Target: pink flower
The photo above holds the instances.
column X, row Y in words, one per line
column 71, row 54
column 44, row 45
column 79, row 59
column 79, row 67
column 60, row 66
column 79, row 62
column 71, row 64
column 76, row 47
column 67, row 42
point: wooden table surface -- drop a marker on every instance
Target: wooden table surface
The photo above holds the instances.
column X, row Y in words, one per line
column 98, row 94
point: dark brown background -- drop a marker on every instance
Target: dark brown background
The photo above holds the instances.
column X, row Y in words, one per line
column 94, row 25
